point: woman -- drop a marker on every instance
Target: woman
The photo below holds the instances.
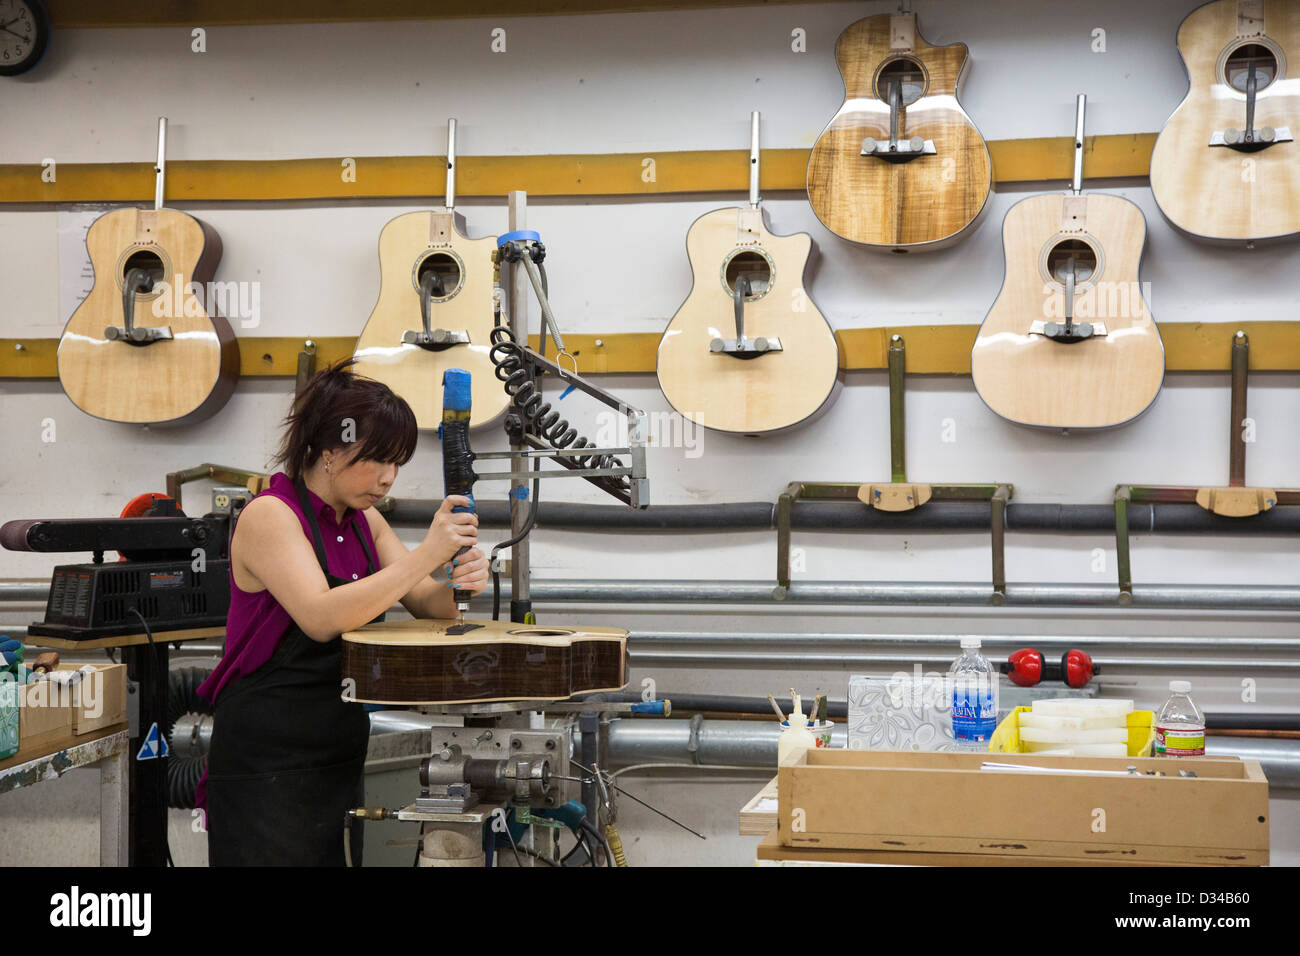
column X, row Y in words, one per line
column 311, row 558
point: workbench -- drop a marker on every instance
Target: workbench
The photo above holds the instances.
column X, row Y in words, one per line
column 107, row 751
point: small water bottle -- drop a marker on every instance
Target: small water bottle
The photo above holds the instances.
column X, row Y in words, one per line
column 1180, row 725
column 974, row 698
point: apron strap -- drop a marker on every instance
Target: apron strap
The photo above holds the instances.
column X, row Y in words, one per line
column 318, row 543
column 310, row 513
column 371, row 564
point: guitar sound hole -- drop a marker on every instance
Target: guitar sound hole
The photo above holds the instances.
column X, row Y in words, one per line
column 1236, row 70
column 903, row 71
column 539, row 632
column 1085, row 260
column 144, row 259
column 753, row 267
column 446, row 267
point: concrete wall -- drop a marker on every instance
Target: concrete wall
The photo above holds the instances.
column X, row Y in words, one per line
column 648, row 83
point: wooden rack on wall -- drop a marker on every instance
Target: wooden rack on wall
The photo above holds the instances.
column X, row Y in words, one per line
column 931, row 350
column 675, row 173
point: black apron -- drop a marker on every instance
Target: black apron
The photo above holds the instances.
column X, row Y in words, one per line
column 288, row 754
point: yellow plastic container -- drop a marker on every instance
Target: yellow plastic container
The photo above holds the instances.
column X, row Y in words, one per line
column 1141, row 733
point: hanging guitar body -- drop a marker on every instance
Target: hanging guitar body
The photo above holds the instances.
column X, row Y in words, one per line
column 156, row 356
column 429, row 249
column 1108, row 376
column 1226, row 166
column 435, row 310
column 900, row 167
column 791, row 375
column 418, row 662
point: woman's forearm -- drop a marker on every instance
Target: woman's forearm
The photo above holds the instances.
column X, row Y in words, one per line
column 351, row 605
column 441, row 603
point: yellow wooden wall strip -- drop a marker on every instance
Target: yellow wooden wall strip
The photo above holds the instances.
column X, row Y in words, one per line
column 1122, row 155
column 274, row 355
column 165, row 13
column 421, row 178
column 931, row 350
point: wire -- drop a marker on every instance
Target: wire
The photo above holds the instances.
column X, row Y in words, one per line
column 600, row 841
column 687, row 766
column 509, row 836
column 537, row 856
column 590, row 772
column 580, row 845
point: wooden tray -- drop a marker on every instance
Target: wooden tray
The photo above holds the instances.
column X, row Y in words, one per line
column 944, row 803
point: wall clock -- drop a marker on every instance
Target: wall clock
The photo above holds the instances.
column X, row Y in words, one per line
column 24, row 33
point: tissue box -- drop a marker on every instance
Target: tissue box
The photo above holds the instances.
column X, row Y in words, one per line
column 912, row 712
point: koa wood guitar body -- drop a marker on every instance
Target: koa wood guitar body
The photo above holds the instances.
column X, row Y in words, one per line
column 1226, row 166
column 900, row 167
column 418, row 662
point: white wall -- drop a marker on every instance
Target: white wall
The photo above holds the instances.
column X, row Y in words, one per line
column 647, row 83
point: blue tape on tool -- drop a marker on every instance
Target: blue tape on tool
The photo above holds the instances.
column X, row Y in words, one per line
column 521, row 492
column 566, row 391
column 455, row 390
column 521, row 234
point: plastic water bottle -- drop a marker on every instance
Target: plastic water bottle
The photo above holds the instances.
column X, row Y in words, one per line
column 974, row 698
column 1180, row 725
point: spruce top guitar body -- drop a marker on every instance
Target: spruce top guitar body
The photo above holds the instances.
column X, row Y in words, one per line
column 900, row 167
column 142, row 348
column 1070, row 342
column 748, row 352
column 1226, row 166
column 435, row 311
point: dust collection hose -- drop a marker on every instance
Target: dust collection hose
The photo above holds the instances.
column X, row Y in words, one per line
column 183, row 773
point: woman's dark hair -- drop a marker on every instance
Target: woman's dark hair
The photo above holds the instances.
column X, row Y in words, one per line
column 339, row 409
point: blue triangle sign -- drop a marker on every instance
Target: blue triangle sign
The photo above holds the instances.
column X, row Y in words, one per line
column 154, row 746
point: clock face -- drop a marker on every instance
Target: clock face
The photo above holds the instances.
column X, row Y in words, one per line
column 24, row 31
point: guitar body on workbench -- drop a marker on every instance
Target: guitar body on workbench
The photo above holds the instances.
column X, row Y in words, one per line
column 418, row 662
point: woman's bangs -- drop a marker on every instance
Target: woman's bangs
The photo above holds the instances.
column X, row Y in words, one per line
column 391, row 435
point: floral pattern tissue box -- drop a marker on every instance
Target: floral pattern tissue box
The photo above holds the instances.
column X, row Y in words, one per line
column 902, row 712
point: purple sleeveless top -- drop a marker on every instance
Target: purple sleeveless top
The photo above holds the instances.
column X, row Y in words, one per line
column 256, row 621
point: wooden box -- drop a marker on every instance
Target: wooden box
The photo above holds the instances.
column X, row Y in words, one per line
column 89, row 713
column 945, row 803
column 46, row 722
column 53, row 717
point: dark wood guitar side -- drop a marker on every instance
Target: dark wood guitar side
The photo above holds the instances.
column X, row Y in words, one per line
column 418, row 662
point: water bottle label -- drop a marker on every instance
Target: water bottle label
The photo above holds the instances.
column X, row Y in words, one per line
column 1179, row 743
column 974, row 711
